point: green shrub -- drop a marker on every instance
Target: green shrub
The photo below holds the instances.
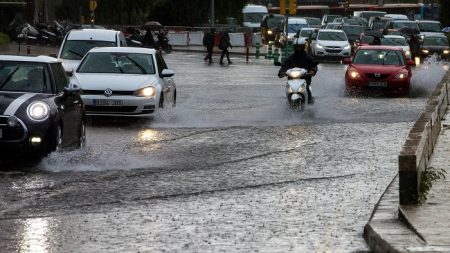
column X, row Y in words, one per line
column 4, row 39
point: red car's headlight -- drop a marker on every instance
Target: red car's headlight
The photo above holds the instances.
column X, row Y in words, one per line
column 401, row 75
column 354, row 74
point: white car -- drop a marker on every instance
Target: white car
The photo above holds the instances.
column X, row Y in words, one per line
column 397, row 41
column 78, row 42
column 330, row 43
column 124, row 81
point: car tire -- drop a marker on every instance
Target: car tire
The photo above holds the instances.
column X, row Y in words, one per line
column 174, row 104
column 55, row 143
column 82, row 135
column 161, row 101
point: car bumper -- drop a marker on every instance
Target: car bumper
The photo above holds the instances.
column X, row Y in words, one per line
column 18, row 139
column 324, row 53
column 392, row 86
column 119, row 106
column 424, row 55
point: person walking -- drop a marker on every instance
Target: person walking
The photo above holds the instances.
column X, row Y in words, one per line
column 223, row 45
column 208, row 42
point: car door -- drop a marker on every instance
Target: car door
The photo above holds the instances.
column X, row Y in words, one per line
column 70, row 106
column 167, row 82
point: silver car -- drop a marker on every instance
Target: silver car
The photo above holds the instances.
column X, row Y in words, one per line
column 121, row 81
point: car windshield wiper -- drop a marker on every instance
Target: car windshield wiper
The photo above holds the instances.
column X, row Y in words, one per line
column 76, row 53
column 137, row 65
column 9, row 77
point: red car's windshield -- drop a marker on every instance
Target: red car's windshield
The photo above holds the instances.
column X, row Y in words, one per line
column 379, row 57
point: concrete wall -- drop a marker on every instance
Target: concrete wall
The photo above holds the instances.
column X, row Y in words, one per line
column 419, row 146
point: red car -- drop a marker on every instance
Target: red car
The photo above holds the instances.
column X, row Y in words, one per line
column 379, row 68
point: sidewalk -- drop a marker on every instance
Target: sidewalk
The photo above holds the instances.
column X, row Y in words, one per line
column 13, row 49
column 424, row 228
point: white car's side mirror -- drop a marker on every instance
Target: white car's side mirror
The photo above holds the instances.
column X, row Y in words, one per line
column 167, row 73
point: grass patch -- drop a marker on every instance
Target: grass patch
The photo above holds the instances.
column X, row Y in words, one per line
column 4, row 39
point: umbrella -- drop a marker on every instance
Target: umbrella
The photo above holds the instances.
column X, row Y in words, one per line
column 153, row 25
column 409, row 31
column 446, row 29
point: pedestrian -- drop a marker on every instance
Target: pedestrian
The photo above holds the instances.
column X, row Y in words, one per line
column 223, row 45
column 414, row 44
column 208, row 42
column 148, row 40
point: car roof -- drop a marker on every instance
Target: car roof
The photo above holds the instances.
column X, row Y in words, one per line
column 138, row 50
column 297, row 21
column 380, row 48
column 330, row 30
column 39, row 59
column 394, row 36
column 428, row 21
column 93, row 34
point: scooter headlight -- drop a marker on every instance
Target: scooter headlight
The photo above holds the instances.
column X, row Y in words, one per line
column 269, row 32
column 38, row 111
column 294, row 74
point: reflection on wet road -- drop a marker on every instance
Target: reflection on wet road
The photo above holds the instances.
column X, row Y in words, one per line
column 229, row 169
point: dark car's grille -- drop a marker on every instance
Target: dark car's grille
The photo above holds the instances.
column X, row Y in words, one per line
column 3, row 121
column 110, row 109
column 333, row 50
column 114, row 93
column 377, row 76
column 10, row 133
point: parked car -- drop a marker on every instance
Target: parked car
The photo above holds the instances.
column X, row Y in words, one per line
column 330, row 43
column 379, row 68
column 78, row 42
column 434, row 45
column 125, row 81
column 397, row 41
column 39, row 111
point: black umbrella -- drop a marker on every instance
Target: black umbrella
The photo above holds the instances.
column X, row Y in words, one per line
column 408, row 31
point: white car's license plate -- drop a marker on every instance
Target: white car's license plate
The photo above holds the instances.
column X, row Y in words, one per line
column 378, row 84
column 108, row 102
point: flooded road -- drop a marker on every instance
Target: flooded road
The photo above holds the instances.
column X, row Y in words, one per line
column 229, row 169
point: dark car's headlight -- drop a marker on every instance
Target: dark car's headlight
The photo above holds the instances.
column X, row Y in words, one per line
column 146, row 92
column 38, row 111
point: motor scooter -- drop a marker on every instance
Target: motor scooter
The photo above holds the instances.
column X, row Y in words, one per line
column 296, row 93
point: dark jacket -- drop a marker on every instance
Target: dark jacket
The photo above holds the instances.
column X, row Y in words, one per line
column 208, row 40
column 299, row 60
column 148, row 40
column 225, row 42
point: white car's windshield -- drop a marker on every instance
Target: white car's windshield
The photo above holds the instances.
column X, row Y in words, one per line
column 305, row 33
column 119, row 63
column 254, row 17
column 435, row 41
column 413, row 25
column 76, row 49
column 394, row 42
column 334, row 36
column 24, row 77
column 379, row 57
column 430, row 27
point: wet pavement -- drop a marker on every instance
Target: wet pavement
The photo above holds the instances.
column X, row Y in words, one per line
column 231, row 168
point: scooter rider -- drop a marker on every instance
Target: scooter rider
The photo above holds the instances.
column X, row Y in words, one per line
column 300, row 59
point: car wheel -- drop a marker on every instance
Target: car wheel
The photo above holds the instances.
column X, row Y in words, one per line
column 174, row 99
column 82, row 137
column 57, row 145
column 161, row 101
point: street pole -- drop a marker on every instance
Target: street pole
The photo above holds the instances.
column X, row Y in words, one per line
column 212, row 14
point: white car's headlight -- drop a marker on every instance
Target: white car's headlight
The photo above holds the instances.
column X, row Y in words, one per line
column 347, row 47
column 408, row 53
column 146, row 92
column 319, row 46
column 38, row 111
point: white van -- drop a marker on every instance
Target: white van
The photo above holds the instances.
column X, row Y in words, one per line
column 253, row 15
column 78, row 42
column 396, row 16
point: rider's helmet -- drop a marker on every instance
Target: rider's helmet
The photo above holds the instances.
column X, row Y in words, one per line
column 299, row 44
